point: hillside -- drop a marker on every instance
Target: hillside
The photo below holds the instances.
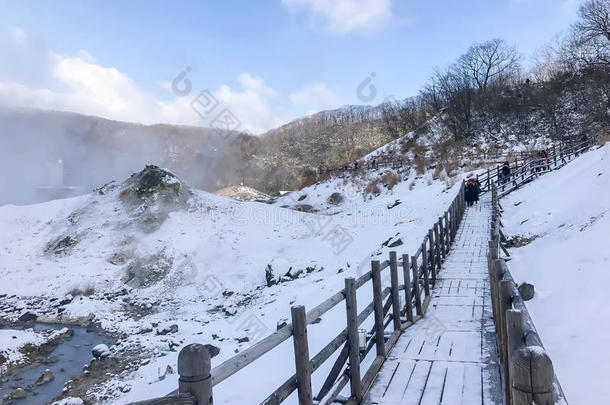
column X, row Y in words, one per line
column 562, row 220
column 158, row 263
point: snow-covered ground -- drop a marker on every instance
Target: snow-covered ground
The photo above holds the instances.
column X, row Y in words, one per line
column 568, row 213
column 203, row 268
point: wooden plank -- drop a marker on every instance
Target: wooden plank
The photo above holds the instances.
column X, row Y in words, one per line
column 353, row 349
column 301, row 355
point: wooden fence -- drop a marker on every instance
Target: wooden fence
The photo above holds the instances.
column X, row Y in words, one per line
column 528, row 370
column 392, row 163
column 391, row 319
column 525, row 169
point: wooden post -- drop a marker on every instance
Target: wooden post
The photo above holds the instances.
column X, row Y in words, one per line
column 424, row 260
column 432, row 256
column 378, row 308
column 301, row 354
column 447, row 231
column 194, row 367
column 418, row 307
column 442, row 238
column 351, row 309
column 514, row 334
column 505, row 301
column 533, row 376
column 395, row 296
column 437, row 247
column 407, row 280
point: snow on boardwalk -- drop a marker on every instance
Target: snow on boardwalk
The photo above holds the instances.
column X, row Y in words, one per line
column 450, row 356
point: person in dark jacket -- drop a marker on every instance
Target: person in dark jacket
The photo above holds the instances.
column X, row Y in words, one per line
column 477, row 190
column 469, row 192
column 505, row 171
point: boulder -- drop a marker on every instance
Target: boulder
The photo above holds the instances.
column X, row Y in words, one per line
column 100, row 351
column 19, row 393
column 167, row 329
column 45, row 377
column 212, row 350
column 526, row 291
column 27, row 317
column 147, row 271
column 335, row 198
column 152, row 194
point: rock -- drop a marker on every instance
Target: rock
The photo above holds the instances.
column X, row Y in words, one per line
column 118, row 259
column 281, row 323
column 147, row 271
column 167, row 329
column 50, row 360
column 243, row 339
column 45, row 377
column 100, row 351
column 335, row 198
column 19, row 393
column 301, row 198
column 62, row 245
column 152, row 194
column 27, row 317
column 304, row 208
column 212, row 350
column 526, row 291
column 397, row 242
column 394, row 204
column 269, row 276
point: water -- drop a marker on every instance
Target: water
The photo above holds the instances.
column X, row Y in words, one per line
column 72, row 354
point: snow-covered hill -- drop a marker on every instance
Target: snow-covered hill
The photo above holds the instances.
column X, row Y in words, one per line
column 163, row 265
column 567, row 214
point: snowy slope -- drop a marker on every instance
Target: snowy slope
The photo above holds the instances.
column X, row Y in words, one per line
column 208, row 259
column 568, row 213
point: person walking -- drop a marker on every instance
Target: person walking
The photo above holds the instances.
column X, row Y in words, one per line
column 505, row 171
column 469, row 192
column 477, row 190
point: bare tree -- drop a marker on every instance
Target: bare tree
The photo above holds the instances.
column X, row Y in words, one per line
column 487, row 62
column 589, row 43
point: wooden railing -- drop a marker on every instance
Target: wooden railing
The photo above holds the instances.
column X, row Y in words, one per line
column 391, row 319
column 525, row 169
column 370, row 165
column 528, row 370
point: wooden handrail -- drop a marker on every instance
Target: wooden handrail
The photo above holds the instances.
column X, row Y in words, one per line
column 528, row 371
column 386, row 307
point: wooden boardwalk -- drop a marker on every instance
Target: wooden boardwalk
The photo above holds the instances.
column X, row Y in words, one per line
column 450, row 356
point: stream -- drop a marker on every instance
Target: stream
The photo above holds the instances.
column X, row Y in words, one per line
column 71, row 354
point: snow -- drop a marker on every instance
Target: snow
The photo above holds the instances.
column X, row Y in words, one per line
column 69, row 401
column 12, row 340
column 568, row 261
column 216, row 253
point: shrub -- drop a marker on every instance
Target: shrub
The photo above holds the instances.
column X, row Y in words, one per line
column 390, row 179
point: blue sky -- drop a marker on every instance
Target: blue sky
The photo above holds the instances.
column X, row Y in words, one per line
column 266, row 61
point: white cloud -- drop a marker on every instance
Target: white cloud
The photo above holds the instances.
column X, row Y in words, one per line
column 17, row 34
column 254, row 105
column 315, row 96
column 347, row 15
column 88, row 88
